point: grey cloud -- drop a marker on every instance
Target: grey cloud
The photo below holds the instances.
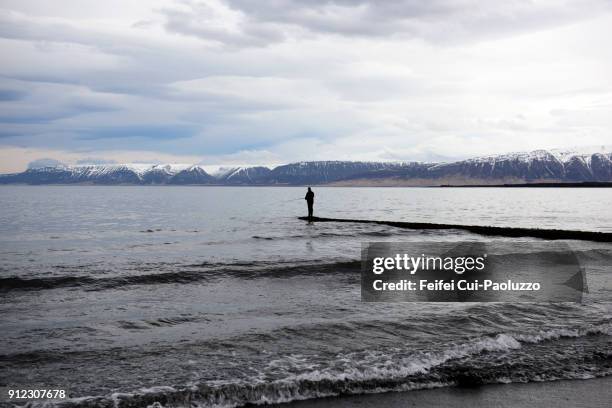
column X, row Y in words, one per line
column 194, row 23
column 101, row 60
column 439, row 21
column 143, row 24
column 44, row 162
column 18, row 26
column 90, row 160
column 11, row 95
column 32, row 107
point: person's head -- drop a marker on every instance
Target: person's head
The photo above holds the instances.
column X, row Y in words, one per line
column 309, row 189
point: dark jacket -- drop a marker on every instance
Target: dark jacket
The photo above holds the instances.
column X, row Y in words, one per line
column 309, row 197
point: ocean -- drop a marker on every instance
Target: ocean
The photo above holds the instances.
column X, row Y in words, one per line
column 220, row 296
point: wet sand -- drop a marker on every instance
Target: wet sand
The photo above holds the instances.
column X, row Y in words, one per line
column 593, row 393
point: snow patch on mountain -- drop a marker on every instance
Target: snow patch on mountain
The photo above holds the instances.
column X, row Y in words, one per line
column 561, row 155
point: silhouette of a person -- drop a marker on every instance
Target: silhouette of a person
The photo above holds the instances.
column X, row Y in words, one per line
column 310, row 201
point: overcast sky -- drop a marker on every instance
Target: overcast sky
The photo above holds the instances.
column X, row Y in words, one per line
column 268, row 82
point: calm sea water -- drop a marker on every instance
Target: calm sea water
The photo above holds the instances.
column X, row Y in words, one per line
column 219, row 295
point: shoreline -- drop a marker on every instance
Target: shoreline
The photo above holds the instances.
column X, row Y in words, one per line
column 584, row 184
column 552, row 234
column 587, row 393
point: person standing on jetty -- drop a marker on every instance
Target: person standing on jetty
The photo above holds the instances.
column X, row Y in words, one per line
column 310, row 201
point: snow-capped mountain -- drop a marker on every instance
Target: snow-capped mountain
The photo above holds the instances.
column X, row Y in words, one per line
column 594, row 164
column 538, row 165
column 322, row 172
column 99, row 174
column 244, row 175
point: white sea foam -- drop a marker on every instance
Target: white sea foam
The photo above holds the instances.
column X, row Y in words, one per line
column 553, row 334
column 353, row 373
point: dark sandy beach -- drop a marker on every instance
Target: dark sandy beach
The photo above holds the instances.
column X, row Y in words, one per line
column 592, row 393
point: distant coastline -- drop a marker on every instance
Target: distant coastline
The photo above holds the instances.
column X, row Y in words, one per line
column 591, row 184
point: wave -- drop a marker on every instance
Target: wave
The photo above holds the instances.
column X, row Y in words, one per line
column 16, row 282
column 159, row 322
column 554, row 334
column 185, row 274
column 485, row 360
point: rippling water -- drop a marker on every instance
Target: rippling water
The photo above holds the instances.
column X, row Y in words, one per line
column 221, row 296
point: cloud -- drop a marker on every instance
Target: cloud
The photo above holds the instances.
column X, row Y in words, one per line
column 215, row 22
column 140, row 132
column 248, row 23
column 94, row 161
column 44, row 162
column 16, row 159
column 236, row 82
column 11, row 95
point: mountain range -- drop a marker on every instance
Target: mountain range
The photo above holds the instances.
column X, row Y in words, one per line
column 539, row 166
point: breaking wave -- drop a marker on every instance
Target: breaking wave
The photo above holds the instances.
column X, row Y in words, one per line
column 183, row 274
column 485, row 360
